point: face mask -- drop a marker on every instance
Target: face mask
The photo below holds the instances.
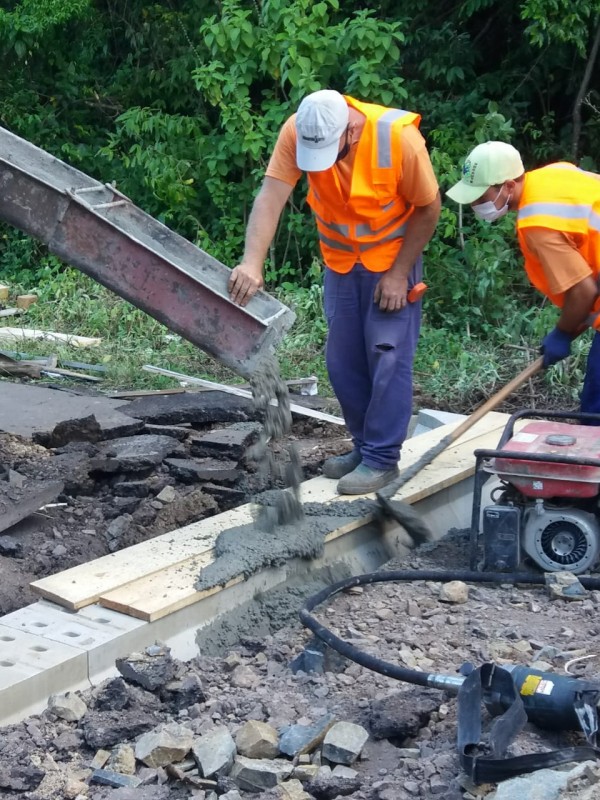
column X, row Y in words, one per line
column 488, row 210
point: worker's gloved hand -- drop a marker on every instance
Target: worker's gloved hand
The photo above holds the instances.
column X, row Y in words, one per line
column 555, row 346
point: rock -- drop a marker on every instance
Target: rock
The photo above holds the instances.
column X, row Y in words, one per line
column 20, row 779
column 544, row 783
column 151, row 669
column 201, row 408
column 134, row 453
column 122, row 759
column 257, row 775
column 100, row 759
column 326, row 786
column 67, row 706
column 454, row 592
column 257, row 740
column 107, row 777
column 108, row 728
column 564, row 586
column 184, row 693
column 214, row 752
column 344, row 742
column 11, row 547
column 401, row 715
column 305, row 772
column 112, row 696
column 298, row 739
column 231, row 441
column 205, row 469
column 139, row 489
column 165, row 745
column 167, row 495
column 293, row 790
column 244, row 677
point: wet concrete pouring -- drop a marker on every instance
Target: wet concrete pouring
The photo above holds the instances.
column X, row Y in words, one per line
column 267, row 712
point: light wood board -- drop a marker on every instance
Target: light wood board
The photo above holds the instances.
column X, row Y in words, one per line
column 155, row 577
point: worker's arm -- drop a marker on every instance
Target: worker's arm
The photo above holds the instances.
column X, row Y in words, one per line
column 569, row 283
column 392, row 289
column 577, row 306
column 247, row 278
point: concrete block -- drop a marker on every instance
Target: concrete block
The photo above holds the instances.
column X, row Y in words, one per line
column 26, row 300
column 101, row 634
column 32, row 668
column 430, row 418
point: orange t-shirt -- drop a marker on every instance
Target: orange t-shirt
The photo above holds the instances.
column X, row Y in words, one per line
column 563, row 265
column 418, row 184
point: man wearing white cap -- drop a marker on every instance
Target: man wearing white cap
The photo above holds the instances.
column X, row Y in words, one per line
column 376, row 204
column 558, row 226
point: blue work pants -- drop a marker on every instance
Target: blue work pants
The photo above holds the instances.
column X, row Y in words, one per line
column 369, row 356
column 590, row 394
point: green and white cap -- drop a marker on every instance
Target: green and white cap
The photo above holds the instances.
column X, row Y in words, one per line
column 488, row 164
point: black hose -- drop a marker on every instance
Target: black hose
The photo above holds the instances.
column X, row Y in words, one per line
column 404, row 674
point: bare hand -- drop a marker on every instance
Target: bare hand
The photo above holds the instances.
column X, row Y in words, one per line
column 244, row 283
column 390, row 292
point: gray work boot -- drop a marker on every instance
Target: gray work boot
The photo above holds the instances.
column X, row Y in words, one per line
column 338, row 466
column 364, row 480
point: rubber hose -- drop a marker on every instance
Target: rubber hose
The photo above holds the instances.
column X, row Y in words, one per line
column 374, row 664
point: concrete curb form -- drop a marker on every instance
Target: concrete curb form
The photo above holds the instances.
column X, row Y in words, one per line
column 46, row 649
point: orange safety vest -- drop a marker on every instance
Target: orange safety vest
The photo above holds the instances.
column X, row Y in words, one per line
column 368, row 226
column 563, row 198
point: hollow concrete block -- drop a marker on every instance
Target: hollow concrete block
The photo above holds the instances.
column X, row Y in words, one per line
column 32, row 668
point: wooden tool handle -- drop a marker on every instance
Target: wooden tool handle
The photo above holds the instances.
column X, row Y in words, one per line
column 497, row 398
column 390, row 490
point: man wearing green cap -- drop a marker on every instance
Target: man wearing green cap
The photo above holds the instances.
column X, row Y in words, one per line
column 558, row 226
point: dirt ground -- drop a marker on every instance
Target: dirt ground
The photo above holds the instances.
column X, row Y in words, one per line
column 410, row 750
column 76, row 526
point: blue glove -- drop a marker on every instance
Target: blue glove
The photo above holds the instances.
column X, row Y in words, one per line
column 556, row 345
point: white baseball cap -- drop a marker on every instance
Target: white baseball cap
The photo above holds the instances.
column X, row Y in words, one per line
column 321, row 119
column 488, row 164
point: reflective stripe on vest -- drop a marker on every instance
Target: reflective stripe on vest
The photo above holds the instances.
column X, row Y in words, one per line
column 335, row 245
column 563, row 198
column 384, row 136
column 564, row 210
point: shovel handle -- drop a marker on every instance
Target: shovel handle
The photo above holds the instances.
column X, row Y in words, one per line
column 497, row 398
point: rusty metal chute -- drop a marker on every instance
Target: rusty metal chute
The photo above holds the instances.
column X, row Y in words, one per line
column 94, row 227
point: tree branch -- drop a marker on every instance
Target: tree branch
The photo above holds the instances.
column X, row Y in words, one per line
column 581, row 93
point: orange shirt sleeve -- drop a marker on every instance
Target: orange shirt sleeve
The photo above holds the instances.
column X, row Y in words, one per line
column 557, row 252
column 282, row 164
column 418, row 184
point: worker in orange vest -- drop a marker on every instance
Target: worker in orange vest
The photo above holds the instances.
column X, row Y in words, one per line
column 558, row 227
column 376, row 203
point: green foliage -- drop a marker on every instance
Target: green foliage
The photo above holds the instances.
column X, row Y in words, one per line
column 180, row 103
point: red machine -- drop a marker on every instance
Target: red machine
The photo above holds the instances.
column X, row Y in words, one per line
column 546, row 507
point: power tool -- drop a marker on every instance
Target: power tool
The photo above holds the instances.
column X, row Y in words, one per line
column 546, row 506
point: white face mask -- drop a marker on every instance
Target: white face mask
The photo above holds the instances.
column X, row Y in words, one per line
column 488, row 210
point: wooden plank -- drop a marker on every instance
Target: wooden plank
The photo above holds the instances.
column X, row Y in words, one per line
column 235, row 390
column 82, row 585
column 172, row 589
column 16, row 334
column 87, row 583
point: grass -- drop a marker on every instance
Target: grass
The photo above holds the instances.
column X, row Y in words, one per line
column 453, row 371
